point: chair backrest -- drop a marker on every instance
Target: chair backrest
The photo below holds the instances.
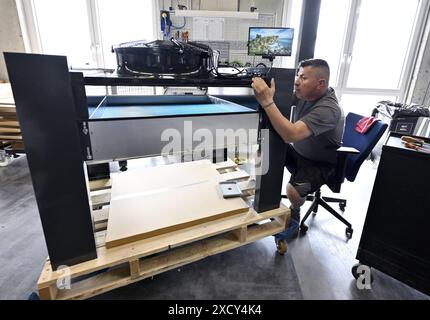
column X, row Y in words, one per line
column 362, row 142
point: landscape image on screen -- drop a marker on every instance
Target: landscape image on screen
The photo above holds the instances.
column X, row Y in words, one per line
column 270, row 41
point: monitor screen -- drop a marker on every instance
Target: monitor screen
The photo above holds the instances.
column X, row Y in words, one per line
column 270, row 41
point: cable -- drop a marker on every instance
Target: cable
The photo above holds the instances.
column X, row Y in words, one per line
column 180, row 7
column 227, row 75
column 181, row 27
column 271, row 65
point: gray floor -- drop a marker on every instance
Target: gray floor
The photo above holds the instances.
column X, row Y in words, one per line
column 317, row 265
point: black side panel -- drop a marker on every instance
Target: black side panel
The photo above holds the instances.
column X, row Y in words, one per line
column 45, row 107
column 79, row 95
column 309, row 28
column 395, row 237
column 273, row 152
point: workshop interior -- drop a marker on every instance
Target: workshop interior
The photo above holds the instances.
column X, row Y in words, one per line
column 136, row 161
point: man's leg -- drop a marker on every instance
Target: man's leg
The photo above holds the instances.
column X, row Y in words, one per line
column 295, row 198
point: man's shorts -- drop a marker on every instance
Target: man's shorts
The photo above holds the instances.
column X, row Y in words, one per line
column 307, row 176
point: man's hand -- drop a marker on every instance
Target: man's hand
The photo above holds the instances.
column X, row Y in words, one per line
column 262, row 92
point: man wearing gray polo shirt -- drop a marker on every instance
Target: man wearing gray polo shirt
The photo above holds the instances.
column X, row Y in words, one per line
column 312, row 140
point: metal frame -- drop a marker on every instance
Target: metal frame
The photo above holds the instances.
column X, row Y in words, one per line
column 52, row 106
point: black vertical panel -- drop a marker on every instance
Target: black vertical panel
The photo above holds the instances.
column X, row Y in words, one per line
column 45, row 107
column 395, row 237
column 269, row 186
column 79, row 95
column 308, row 28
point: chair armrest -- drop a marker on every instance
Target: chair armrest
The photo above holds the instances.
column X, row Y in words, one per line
column 339, row 176
column 347, row 150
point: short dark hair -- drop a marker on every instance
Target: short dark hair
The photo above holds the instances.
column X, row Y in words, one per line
column 316, row 63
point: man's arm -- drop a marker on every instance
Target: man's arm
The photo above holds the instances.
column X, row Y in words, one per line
column 289, row 132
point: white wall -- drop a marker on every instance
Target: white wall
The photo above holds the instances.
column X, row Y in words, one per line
column 10, row 33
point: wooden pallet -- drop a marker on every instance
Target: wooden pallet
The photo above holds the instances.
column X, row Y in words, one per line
column 10, row 131
column 122, row 265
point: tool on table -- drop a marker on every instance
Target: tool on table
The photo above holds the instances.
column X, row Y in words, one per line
column 416, row 141
column 230, row 189
column 415, row 147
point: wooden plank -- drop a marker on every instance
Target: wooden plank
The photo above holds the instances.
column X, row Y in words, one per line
column 225, row 164
column 246, row 185
column 241, row 234
column 169, row 176
column 100, row 226
column 139, row 210
column 98, row 284
column 100, row 184
column 111, row 257
column 144, row 216
column 134, row 269
column 48, row 293
column 11, row 136
column 163, row 262
column 7, row 108
column 8, row 123
column 9, row 130
column 9, row 116
column 101, row 215
column 100, row 238
column 100, row 200
column 235, row 175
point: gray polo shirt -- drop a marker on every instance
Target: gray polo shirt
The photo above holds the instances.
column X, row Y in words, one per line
column 325, row 119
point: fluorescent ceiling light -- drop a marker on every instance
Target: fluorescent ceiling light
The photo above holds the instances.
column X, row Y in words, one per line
column 216, row 14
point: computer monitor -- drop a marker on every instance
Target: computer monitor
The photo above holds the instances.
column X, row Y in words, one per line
column 264, row 41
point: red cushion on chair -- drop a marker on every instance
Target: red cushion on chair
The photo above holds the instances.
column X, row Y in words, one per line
column 364, row 124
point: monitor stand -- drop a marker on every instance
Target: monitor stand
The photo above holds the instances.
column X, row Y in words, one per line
column 269, row 57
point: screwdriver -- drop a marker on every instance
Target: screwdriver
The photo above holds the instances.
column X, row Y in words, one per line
column 415, row 147
column 418, row 142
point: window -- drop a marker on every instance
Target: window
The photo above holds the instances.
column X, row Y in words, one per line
column 85, row 30
column 123, row 21
column 64, row 29
column 370, row 48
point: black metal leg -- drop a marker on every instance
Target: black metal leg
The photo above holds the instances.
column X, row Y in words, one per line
column 311, row 208
column 310, row 198
column 328, row 199
column 122, row 165
column 334, row 212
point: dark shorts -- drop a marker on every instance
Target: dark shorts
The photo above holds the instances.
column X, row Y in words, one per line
column 307, row 176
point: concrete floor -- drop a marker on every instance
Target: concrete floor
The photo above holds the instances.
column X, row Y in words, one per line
column 316, row 266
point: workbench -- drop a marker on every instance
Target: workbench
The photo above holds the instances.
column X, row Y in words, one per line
column 80, row 130
column 395, row 235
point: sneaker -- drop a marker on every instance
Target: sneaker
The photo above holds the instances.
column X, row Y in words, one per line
column 291, row 232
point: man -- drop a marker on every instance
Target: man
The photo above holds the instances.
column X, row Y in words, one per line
column 312, row 140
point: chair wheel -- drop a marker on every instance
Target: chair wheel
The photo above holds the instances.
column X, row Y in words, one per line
column 342, row 206
column 303, row 228
column 349, row 232
column 282, row 247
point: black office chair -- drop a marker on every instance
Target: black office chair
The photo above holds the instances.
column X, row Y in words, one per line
column 355, row 149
